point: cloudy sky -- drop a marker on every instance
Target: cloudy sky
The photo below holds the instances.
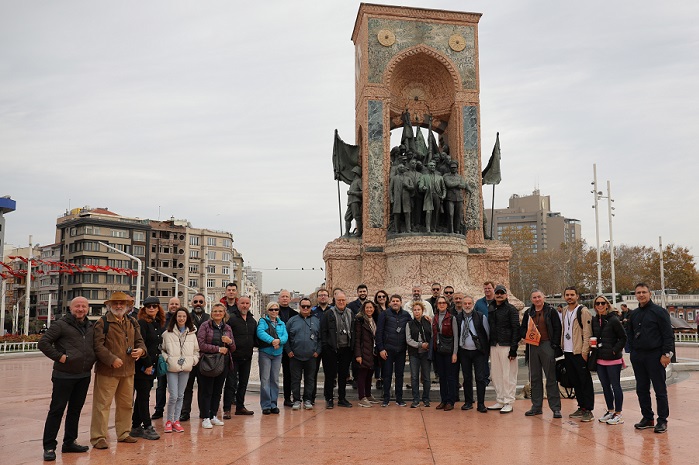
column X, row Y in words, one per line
column 222, row 112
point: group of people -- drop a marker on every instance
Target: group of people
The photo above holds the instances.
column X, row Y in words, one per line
column 361, row 339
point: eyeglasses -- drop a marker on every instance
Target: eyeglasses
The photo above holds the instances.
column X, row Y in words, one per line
column 436, row 289
column 197, row 301
column 382, row 297
column 600, row 303
column 500, row 292
column 152, row 306
column 448, row 292
column 304, row 306
column 273, row 310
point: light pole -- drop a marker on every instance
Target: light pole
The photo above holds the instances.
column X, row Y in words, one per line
column 597, row 195
column 140, row 268
column 611, row 239
column 662, row 273
column 28, row 292
column 177, row 283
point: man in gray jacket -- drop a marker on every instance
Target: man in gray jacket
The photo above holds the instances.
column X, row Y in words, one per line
column 303, row 349
column 68, row 342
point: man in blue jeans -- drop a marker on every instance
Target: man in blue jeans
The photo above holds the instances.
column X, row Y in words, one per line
column 392, row 346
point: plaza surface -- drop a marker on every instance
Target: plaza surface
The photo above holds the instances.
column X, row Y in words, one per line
column 360, row 435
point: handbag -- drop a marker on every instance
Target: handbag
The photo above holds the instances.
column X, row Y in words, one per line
column 161, row 367
column 445, row 344
column 592, row 360
column 272, row 332
column 212, row 365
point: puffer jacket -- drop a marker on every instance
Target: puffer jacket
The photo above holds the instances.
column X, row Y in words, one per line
column 152, row 333
column 178, row 345
column 390, row 330
column 67, row 336
column 610, row 334
column 113, row 345
column 364, row 342
column 504, row 325
column 263, row 336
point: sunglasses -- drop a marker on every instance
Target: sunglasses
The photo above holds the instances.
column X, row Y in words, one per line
column 197, row 301
column 500, row 292
column 382, row 297
column 273, row 310
column 152, row 306
column 600, row 303
column 305, row 306
column 436, row 289
column 448, row 292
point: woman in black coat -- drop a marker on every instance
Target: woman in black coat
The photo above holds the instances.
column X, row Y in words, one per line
column 364, row 351
column 151, row 319
column 611, row 339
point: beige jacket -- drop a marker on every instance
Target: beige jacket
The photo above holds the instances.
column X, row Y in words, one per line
column 108, row 347
column 176, row 346
column 581, row 336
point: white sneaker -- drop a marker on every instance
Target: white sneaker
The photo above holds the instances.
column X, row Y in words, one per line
column 296, row 406
column 216, row 422
column 497, row 406
column 206, row 424
column 308, row 405
column 507, row 408
column 605, row 417
column 617, row 419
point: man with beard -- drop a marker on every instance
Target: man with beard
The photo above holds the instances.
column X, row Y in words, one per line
column 362, row 294
column 69, row 343
column 199, row 316
column 244, row 328
column 230, row 300
column 285, row 314
column 336, row 339
column 118, row 344
column 575, row 341
column 417, row 297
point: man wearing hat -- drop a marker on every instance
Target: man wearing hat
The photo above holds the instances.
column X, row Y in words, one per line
column 455, row 196
column 354, row 202
column 118, row 344
column 503, row 319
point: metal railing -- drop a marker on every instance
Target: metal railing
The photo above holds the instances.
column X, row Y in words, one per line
column 686, row 337
column 7, row 347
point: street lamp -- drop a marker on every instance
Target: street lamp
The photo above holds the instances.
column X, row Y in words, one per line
column 177, row 283
column 140, row 268
column 597, row 195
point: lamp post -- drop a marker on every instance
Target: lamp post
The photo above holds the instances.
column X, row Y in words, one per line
column 177, row 283
column 611, row 240
column 140, row 269
column 27, row 295
column 597, row 195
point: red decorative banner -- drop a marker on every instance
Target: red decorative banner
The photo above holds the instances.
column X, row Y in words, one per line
column 58, row 267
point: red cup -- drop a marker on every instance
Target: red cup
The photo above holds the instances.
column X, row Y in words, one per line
column 593, row 342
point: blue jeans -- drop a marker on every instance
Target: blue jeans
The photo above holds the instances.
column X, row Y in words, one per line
column 269, row 379
column 420, row 366
column 176, row 383
column 395, row 360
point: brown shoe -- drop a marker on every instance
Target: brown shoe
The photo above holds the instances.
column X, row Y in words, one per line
column 226, row 414
column 448, row 407
column 244, row 411
column 128, row 440
column 441, row 406
column 101, row 444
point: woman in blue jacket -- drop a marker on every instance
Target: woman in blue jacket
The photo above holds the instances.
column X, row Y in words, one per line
column 272, row 335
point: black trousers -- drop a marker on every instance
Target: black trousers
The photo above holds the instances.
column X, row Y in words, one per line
column 336, row 365
column 161, row 394
column 581, row 379
column 286, row 377
column 189, row 392
column 66, row 392
column 141, row 413
column 394, row 365
column 647, row 369
column 470, row 361
column 210, row 390
column 307, row 369
column 236, row 385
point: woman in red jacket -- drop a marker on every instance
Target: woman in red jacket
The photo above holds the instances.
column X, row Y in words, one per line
column 364, row 351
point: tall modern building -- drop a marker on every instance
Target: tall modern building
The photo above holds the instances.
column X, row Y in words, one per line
column 533, row 212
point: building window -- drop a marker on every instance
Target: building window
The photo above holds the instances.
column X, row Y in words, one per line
column 211, row 269
column 226, row 270
column 193, row 282
column 212, row 255
column 139, row 250
column 120, row 233
column 193, row 240
column 194, row 268
column 139, row 236
column 226, row 256
column 211, row 241
column 193, row 254
column 210, row 283
column 227, row 243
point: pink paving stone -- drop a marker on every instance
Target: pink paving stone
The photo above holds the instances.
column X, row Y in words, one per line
column 378, row 435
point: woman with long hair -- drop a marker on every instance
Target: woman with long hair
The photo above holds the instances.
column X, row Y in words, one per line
column 611, row 339
column 365, row 351
column 271, row 332
column 214, row 337
column 381, row 302
column 151, row 319
column 181, row 352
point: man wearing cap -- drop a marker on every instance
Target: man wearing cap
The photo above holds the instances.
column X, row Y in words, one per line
column 199, row 316
column 118, row 344
column 456, row 185
column 69, row 343
column 354, row 202
column 503, row 319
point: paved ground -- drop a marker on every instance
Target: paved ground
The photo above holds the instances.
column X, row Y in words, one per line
column 357, row 435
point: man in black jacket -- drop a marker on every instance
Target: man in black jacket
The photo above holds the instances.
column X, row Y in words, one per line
column 651, row 352
column 244, row 328
column 545, row 319
column 69, row 343
column 503, row 319
column 336, row 338
column 392, row 345
column 285, row 314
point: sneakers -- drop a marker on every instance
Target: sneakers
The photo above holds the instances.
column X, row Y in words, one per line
column 150, row 434
column 507, row 408
column 400, row 403
column 616, row 419
column 136, row 432
column 365, row 403
column 661, row 427
column 373, row 400
column 307, row 405
column 157, row 415
column 606, row 416
column 577, row 414
column 344, row 403
column 329, row 404
column 296, row 406
column 216, row 422
column 206, row 423
column 482, row 408
column 384, row 404
column 226, row 414
column 497, row 406
column 49, row 455
column 415, row 405
column 168, row 427
column 557, row 414
column 177, row 428
column 587, row 416
column 467, row 406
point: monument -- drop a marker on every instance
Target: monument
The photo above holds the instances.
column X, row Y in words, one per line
column 415, row 70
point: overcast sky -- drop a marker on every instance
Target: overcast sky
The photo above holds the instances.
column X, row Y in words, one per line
column 222, row 112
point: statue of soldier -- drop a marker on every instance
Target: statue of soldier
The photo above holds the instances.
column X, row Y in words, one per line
column 400, row 188
column 408, row 137
column 455, row 197
column 415, row 196
column 443, row 166
column 432, row 184
column 354, row 202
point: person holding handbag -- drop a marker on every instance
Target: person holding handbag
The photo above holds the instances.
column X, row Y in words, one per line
column 181, row 352
column 215, row 338
column 611, row 339
column 444, row 353
column 364, row 350
column 272, row 335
